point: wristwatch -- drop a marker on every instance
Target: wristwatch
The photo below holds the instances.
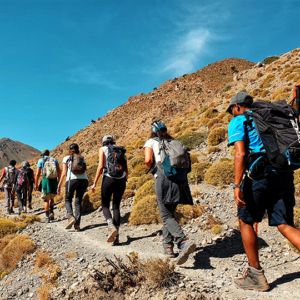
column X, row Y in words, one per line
column 235, row 186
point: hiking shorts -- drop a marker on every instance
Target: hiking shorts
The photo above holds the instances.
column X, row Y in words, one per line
column 274, row 194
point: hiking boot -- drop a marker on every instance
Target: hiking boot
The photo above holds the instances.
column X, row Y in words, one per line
column 112, row 233
column 169, row 252
column 253, row 279
column 47, row 220
column 12, row 211
column 116, row 241
column 71, row 222
column 51, row 216
column 30, row 206
column 185, row 249
column 8, row 210
column 25, row 210
column 77, row 228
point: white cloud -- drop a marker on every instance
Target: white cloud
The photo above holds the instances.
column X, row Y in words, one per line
column 87, row 75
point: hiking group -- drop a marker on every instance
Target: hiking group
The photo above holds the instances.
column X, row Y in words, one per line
column 266, row 138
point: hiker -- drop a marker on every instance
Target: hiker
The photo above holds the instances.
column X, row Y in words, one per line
column 170, row 190
column 8, row 174
column 74, row 168
column 263, row 189
column 21, row 186
column 113, row 165
column 31, row 179
column 50, row 169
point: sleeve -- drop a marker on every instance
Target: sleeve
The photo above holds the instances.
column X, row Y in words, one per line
column 236, row 131
column 40, row 163
column 4, row 172
column 56, row 161
column 64, row 161
column 149, row 144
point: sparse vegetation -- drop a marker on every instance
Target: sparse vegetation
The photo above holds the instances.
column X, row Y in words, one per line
column 192, row 140
column 147, row 189
column 214, row 149
column 42, row 258
column 216, row 136
column 270, row 59
column 217, row 229
column 211, row 113
column 204, row 121
column 198, row 171
column 128, row 193
column 213, row 122
column 139, row 171
column 187, row 212
column 220, row 173
column 194, row 157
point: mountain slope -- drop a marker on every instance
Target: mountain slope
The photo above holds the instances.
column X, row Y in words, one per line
column 18, row 151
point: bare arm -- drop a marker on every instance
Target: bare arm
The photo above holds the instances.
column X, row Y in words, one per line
column 239, row 170
column 148, row 156
column 38, row 174
column 99, row 169
column 63, row 175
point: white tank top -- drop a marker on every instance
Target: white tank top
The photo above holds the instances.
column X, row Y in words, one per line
column 105, row 150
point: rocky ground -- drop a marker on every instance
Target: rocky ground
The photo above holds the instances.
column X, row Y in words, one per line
column 208, row 274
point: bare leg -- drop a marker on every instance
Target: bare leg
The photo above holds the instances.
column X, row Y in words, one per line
column 291, row 233
column 250, row 243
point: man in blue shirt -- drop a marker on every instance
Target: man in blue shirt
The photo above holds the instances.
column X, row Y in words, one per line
column 273, row 192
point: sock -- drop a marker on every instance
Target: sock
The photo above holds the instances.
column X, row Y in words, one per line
column 109, row 222
column 51, row 209
column 47, row 214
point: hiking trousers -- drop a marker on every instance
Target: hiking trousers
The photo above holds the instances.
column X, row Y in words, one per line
column 22, row 198
column 112, row 187
column 9, row 197
column 30, row 194
column 79, row 186
column 172, row 232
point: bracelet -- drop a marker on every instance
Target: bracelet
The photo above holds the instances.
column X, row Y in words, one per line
column 235, row 186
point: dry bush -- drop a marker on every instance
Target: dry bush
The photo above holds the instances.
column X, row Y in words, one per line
column 211, row 113
column 7, row 227
column 139, row 171
column 298, row 82
column 232, row 151
column 194, row 157
column 42, row 258
column 292, row 247
column 61, row 205
column 139, row 144
column 227, row 118
column 221, row 115
column 216, row 136
column 204, row 121
column 270, row 59
column 225, row 159
column 15, row 250
column 145, row 212
column 198, row 172
column 210, row 223
column 159, row 273
column 32, row 218
column 290, row 76
column 44, row 291
column 255, row 92
column 91, row 172
column 296, row 78
column 196, row 191
column 297, row 218
column 214, row 149
column 266, row 85
column 132, row 182
column 220, row 173
column 283, row 96
column 212, row 122
column 264, row 93
column 91, row 201
column 128, row 193
column 192, row 140
column 53, row 271
column 269, row 78
column 147, row 189
column 71, row 255
column 217, row 229
column 218, row 125
column 137, row 161
column 185, row 213
column 287, row 71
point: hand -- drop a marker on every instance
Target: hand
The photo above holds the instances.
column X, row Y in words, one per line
column 36, row 187
column 93, row 188
column 58, row 191
column 238, row 197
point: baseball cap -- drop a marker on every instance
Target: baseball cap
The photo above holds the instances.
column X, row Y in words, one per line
column 240, row 98
column 45, row 152
column 108, row 138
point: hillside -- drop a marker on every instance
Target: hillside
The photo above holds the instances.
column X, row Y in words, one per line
column 18, row 151
column 68, row 265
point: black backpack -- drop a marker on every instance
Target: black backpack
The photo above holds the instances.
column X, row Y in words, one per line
column 278, row 126
column 116, row 162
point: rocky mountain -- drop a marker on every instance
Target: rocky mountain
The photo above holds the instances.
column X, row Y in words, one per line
column 18, row 151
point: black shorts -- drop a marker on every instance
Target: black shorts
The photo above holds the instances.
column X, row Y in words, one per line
column 274, row 194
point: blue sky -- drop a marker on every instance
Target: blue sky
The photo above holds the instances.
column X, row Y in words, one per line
column 63, row 63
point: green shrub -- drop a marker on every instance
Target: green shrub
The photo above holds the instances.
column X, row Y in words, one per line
column 198, row 171
column 227, row 88
column 270, row 59
column 147, row 189
column 145, row 212
column 213, row 122
column 216, row 136
column 139, row 171
column 217, row 229
column 194, row 157
column 268, row 79
column 211, row 113
column 192, row 140
column 188, row 212
column 220, row 173
column 214, row 149
column 132, row 182
column 128, row 193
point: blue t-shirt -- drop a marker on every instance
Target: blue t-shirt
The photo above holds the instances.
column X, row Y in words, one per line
column 41, row 161
column 237, row 132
